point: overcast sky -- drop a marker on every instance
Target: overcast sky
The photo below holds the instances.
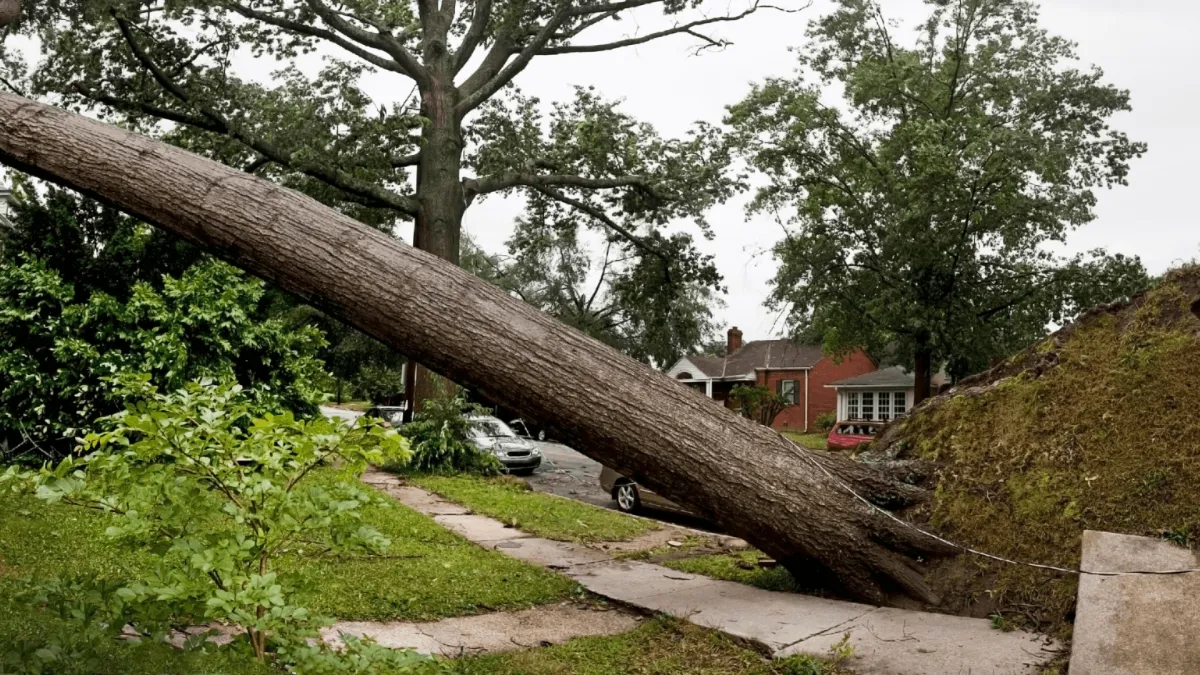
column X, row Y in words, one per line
column 1147, row 47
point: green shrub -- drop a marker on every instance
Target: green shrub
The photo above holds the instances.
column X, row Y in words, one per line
column 440, row 437
column 219, row 496
column 757, row 403
column 825, row 421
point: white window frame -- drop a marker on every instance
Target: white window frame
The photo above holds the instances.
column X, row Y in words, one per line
column 883, row 406
column 795, row 394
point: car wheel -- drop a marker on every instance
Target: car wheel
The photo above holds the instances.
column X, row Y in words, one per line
column 627, row 498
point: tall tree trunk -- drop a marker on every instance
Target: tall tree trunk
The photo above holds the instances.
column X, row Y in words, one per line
column 922, row 375
column 741, row 475
column 438, row 229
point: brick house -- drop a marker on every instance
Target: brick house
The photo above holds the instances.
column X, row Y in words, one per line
column 799, row 374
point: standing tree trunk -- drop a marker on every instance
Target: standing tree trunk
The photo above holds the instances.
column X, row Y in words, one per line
column 922, row 371
column 438, row 229
column 742, row 476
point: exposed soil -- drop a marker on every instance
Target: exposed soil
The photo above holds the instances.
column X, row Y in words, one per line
column 1093, row 428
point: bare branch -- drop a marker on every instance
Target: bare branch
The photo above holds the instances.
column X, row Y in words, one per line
column 368, row 195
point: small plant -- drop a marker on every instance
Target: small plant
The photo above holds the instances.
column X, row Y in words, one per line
column 803, row 664
column 1180, row 536
column 1002, row 624
column 825, row 421
column 219, row 495
column 441, row 438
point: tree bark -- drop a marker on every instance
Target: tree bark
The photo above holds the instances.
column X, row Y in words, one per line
column 922, row 365
column 438, row 229
column 742, row 476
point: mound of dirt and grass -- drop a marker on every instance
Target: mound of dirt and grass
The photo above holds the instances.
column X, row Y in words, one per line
column 1097, row 427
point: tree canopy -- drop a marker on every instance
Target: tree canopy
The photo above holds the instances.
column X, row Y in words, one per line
column 88, row 294
column 926, row 204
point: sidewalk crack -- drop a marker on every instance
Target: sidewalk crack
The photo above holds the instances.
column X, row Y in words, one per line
column 826, row 631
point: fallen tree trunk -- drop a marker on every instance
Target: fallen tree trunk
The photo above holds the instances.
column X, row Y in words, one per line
column 615, row 410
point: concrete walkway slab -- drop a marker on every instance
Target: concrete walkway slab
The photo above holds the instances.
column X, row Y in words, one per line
column 887, row 641
column 487, row 633
column 1136, row 624
column 555, row 555
column 480, row 529
column 900, row 642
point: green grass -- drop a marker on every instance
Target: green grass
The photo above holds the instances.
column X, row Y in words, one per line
column 511, row 501
column 658, row 647
column 726, row 567
column 436, row 573
column 810, row 441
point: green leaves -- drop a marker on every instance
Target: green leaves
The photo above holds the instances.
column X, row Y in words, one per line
column 923, row 204
column 103, row 303
column 220, row 494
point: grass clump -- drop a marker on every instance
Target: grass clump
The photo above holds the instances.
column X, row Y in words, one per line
column 741, row 567
column 810, row 441
column 660, row 646
column 1091, row 429
column 512, row 501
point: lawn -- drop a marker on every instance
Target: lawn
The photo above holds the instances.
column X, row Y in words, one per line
column 810, row 441
column 512, row 501
column 433, row 574
column 658, row 647
column 741, row 567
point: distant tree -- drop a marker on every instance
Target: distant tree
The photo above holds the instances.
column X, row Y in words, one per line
column 758, row 403
column 923, row 206
column 607, row 291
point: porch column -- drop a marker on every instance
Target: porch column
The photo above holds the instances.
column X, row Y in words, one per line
column 708, row 388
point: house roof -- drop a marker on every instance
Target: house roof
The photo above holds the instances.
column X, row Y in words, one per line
column 894, row 376
column 758, row 355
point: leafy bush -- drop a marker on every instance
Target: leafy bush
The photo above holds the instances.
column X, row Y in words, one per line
column 219, row 495
column 379, row 383
column 441, row 438
column 825, row 422
column 757, row 403
column 58, row 351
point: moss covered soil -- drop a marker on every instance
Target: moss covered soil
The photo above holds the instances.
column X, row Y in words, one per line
column 1095, row 428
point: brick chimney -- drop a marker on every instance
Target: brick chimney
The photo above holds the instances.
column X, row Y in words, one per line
column 734, row 341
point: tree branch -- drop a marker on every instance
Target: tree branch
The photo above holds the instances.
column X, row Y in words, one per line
column 313, row 31
column 368, row 195
column 687, row 28
column 381, row 40
column 474, row 34
column 487, row 184
column 611, row 224
column 476, row 93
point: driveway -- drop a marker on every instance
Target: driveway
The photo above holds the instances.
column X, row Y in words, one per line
column 567, row 473
column 348, row 415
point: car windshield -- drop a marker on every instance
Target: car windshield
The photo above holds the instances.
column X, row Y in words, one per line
column 857, row 429
column 490, row 427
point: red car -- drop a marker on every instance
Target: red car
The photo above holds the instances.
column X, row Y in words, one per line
column 846, row 435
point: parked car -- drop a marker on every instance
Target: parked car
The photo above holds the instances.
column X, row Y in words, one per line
column 524, row 431
column 392, row 415
column 630, row 496
column 852, row 434
column 517, row 455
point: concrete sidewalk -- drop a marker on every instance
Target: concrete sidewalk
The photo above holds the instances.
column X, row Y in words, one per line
column 886, row 641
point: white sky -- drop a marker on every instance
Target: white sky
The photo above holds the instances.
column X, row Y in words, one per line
column 1147, row 47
